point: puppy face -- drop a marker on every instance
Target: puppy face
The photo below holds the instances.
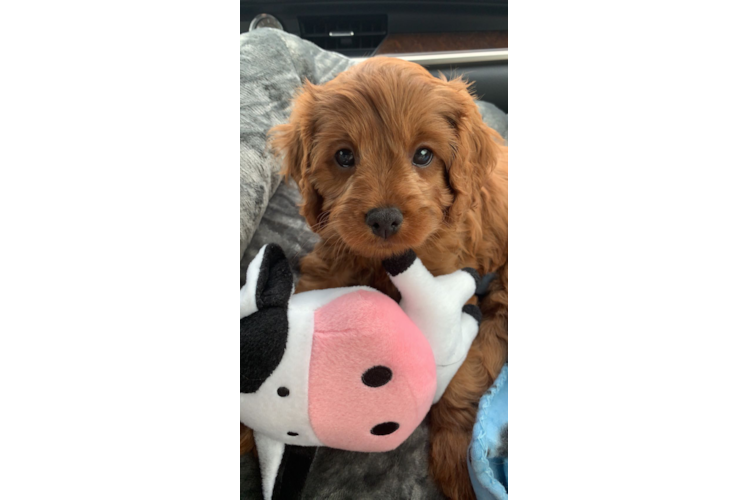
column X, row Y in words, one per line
column 385, row 154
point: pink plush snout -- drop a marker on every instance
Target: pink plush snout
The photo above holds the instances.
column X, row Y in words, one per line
column 372, row 375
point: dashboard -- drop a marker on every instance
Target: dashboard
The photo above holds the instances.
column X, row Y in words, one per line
column 467, row 38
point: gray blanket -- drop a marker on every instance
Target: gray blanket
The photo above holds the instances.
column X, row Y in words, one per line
column 273, row 65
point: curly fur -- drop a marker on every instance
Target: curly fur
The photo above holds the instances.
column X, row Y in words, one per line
column 455, row 210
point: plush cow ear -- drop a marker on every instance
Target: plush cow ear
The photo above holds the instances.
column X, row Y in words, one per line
column 264, row 316
column 269, row 281
column 275, row 281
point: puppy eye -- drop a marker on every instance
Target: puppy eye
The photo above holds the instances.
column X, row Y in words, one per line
column 345, row 158
column 423, row 157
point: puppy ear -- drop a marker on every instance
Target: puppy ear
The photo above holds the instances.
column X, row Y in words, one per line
column 476, row 152
column 292, row 142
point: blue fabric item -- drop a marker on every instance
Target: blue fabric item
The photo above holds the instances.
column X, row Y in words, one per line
column 489, row 470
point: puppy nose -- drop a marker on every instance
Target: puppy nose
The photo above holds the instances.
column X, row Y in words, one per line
column 384, row 222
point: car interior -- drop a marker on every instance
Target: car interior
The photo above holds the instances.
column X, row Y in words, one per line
column 456, row 38
column 467, row 38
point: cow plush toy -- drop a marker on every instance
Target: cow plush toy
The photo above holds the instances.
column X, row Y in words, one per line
column 347, row 368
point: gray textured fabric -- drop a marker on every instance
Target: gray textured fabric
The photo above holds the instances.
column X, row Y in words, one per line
column 282, row 224
column 250, row 483
column 402, row 473
column 494, row 118
column 273, row 65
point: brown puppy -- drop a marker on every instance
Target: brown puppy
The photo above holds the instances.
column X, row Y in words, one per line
column 388, row 157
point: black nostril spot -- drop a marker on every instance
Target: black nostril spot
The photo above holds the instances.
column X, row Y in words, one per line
column 385, row 428
column 376, row 376
column 283, row 392
column 292, row 433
